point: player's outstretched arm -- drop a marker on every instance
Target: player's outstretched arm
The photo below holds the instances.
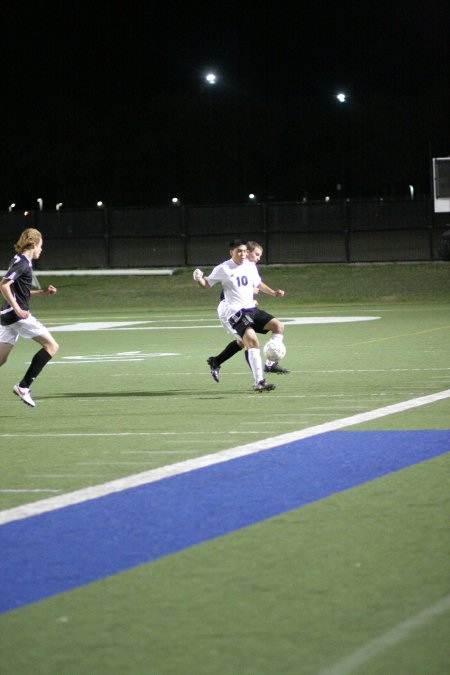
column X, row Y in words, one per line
column 277, row 293
column 50, row 290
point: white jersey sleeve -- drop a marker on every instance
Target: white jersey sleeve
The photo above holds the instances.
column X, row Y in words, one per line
column 216, row 276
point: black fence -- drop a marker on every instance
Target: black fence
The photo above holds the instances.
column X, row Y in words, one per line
column 314, row 232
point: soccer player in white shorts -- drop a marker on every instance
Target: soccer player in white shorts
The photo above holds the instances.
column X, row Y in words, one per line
column 16, row 319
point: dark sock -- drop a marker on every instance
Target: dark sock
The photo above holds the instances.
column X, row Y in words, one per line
column 230, row 350
column 39, row 360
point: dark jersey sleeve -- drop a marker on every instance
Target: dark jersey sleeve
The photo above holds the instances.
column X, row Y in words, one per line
column 21, row 274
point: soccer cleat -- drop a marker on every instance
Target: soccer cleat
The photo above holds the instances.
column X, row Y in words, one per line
column 24, row 394
column 263, row 386
column 215, row 367
column 275, row 368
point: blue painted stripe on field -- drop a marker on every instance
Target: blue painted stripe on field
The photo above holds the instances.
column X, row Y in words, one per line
column 60, row 550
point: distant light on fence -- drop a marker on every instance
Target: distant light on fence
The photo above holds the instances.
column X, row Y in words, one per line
column 100, row 205
column 252, row 196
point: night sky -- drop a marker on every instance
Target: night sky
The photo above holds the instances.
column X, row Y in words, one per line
column 110, row 103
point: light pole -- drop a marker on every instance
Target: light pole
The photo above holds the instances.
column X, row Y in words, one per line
column 10, row 207
column 40, row 201
column 102, row 206
column 211, row 81
column 341, row 187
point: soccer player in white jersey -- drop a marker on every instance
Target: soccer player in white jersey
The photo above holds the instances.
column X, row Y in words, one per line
column 16, row 319
column 239, row 277
column 267, row 321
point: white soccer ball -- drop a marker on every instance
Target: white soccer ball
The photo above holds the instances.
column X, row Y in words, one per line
column 274, row 350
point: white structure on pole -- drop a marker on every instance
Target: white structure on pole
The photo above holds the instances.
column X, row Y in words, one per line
column 441, row 184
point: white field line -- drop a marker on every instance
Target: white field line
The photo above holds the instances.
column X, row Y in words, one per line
column 28, row 490
column 64, row 475
column 94, row 434
column 153, row 475
column 388, row 639
column 293, row 321
column 100, row 462
column 144, row 325
column 110, row 272
column 155, row 452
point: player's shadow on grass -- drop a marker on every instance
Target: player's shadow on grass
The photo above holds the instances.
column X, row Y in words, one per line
column 130, row 394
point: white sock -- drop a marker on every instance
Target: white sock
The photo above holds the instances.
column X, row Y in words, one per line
column 254, row 359
column 277, row 336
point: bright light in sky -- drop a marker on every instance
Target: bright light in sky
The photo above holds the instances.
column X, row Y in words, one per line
column 341, row 97
column 211, row 78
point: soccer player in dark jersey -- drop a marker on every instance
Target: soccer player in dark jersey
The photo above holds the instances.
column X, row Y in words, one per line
column 16, row 319
column 254, row 253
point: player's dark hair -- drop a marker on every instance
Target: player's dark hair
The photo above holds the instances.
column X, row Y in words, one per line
column 237, row 242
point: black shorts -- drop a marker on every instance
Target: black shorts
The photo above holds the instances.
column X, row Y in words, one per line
column 250, row 318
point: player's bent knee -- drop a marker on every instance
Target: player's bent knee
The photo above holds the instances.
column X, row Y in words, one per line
column 4, row 356
column 275, row 325
column 252, row 344
column 50, row 346
column 53, row 348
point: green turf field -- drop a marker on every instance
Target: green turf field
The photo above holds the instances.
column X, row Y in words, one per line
column 350, row 583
